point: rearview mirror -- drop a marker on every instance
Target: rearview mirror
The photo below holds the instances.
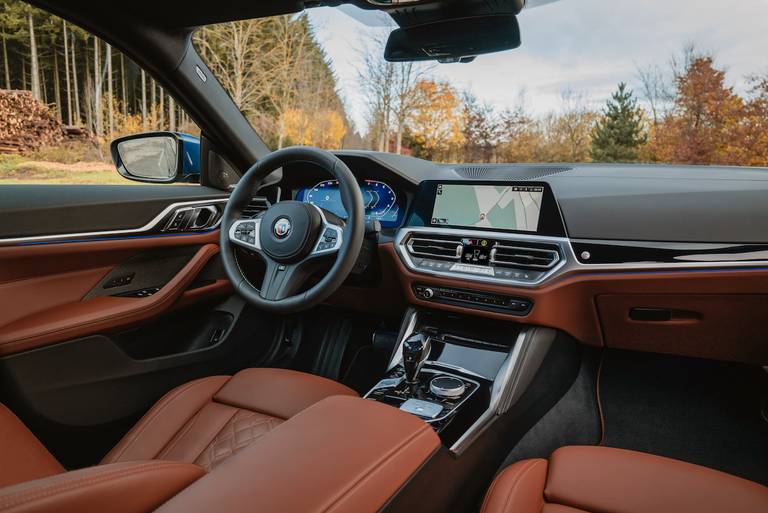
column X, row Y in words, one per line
column 157, row 157
column 454, row 40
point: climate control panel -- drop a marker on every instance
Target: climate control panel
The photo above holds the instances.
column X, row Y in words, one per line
column 474, row 299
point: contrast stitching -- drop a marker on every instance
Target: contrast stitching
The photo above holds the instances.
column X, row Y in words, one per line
column 27, row 496
column 425, row 429
column 142, row 426
column 489, row 493
column 515, row 486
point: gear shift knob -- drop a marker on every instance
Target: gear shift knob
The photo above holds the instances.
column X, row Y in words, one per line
column 416, row 350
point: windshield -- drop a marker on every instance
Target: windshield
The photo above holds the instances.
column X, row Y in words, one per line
column 668, row 82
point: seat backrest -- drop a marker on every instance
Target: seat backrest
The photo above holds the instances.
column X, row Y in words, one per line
column 22, row 456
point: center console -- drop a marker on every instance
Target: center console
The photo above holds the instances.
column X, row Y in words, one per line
column 456, row 374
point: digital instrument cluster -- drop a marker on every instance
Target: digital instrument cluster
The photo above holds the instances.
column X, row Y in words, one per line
column 380, row 200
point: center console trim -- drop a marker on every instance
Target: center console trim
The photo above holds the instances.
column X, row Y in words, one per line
column 511, row 381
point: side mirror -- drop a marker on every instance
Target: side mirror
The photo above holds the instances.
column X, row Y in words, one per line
column 157, row 157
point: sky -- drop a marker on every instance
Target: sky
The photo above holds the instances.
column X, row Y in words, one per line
column 582, row 46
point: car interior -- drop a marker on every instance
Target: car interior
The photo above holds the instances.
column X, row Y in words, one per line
column 324, row 331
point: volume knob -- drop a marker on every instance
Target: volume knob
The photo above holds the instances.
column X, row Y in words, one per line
column 428, row 293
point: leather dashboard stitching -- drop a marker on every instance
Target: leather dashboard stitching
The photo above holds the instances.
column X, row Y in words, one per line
column 26, row 496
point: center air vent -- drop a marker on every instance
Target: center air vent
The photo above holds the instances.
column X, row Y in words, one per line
column 525, row 256
column 255, row 207
column 440, row 247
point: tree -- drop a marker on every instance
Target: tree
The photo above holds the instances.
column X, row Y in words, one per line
column 703, row 127
column 619, row 132
column 481, row 130
column 435, row 124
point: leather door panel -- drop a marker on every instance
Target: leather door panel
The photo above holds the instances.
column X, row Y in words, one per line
column 75, row 318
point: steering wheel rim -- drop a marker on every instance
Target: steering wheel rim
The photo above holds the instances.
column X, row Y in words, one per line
column 288, row 269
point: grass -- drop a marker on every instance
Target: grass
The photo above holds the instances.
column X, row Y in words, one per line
column 20, row 170
column 78, row 163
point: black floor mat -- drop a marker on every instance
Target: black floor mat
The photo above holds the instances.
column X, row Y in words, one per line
column 574, row 420
column 700, row 411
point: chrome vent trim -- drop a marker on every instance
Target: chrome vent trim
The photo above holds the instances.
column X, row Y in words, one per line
column 561, row 265
column 438, row 247
column 521, row 255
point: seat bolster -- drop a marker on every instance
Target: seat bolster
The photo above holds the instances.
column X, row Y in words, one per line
column 160, row 424
column 278, row 393
column 135, row 487
column 518, row 489
column 621, row 481
column 24, row 457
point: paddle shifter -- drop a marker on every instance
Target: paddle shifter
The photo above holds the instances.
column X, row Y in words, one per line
column 416, row 350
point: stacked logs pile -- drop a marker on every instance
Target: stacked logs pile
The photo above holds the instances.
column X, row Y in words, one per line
column 28, row 125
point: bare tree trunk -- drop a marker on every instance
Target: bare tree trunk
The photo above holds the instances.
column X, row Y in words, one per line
column 75, row 86
column 399, row 142
column 34, row 63
column 161, row 107
column 98, row 113
column 144, row 120
column 56, row 81
column 23, row 74
column 110, row 91
column 152, row 104
column 43, row 87
column 124, row 87
column 66, row 75
column 5, row 63
column 172, row 113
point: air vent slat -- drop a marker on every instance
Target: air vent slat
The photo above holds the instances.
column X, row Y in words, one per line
column 448, row 248
column 524, row 256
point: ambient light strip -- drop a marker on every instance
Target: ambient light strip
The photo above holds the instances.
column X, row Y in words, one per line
column 147, row 228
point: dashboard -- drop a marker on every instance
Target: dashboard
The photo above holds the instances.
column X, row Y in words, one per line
column 382, row 202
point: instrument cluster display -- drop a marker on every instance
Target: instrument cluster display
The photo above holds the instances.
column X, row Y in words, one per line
column 379, row 198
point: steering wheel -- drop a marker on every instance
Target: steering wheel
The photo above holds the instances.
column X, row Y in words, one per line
column 292, row 237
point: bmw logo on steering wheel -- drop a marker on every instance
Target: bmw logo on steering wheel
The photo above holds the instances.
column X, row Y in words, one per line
column 282, row 228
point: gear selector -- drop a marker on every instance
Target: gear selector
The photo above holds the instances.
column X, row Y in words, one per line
column 416, row 349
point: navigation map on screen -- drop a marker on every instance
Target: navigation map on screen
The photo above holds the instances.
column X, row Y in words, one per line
column 502, row 207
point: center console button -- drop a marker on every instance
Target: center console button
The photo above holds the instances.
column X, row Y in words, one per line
column 424, row 409
column 447, row 387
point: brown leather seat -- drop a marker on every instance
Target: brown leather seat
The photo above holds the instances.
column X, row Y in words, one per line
column 202, row 422
column 606, row 480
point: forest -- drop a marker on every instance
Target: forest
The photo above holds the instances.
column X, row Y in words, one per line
column 278, row 74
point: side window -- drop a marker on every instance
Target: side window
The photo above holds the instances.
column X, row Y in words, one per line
column 65, row 96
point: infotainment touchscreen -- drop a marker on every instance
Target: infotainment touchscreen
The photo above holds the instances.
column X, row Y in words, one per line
column 500, row 207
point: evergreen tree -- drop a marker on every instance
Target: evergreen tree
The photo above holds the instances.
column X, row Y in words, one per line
column 619, row 133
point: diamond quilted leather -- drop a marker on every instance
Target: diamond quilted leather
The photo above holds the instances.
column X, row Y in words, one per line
column 243, row 429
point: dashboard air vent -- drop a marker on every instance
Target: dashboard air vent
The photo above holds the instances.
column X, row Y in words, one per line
column 440, row 247
column 255, row 207
column 526, row 256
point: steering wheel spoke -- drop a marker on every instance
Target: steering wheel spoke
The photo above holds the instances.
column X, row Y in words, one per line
column 283, row 280
column 245, row 233
column 330, row 239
